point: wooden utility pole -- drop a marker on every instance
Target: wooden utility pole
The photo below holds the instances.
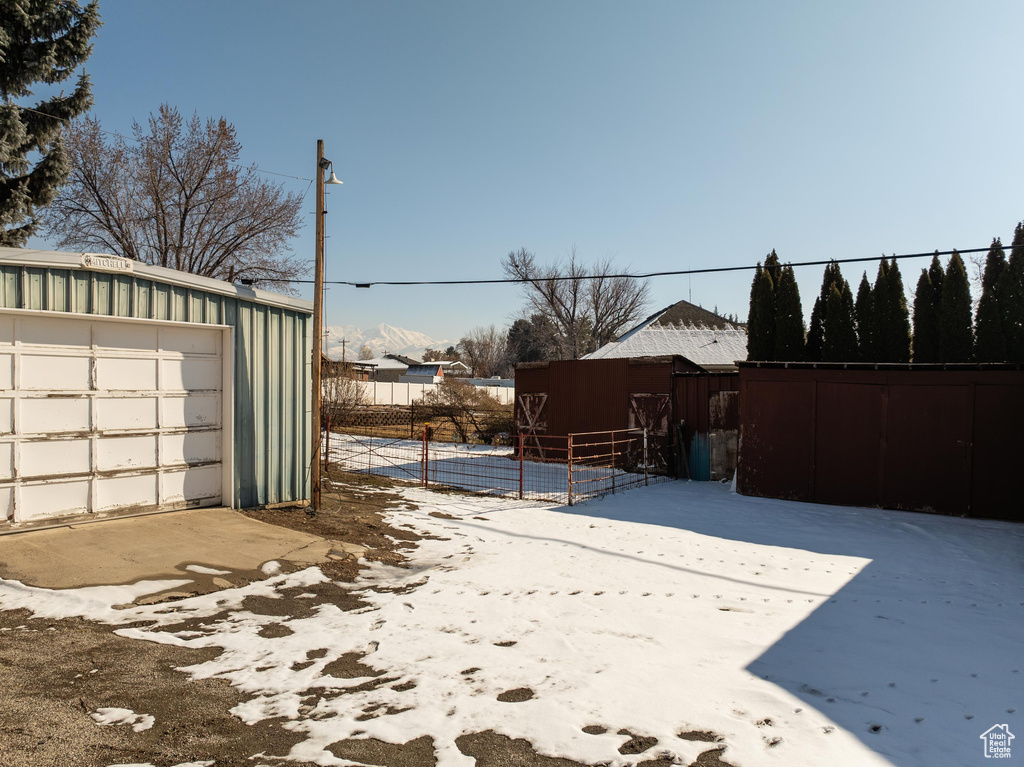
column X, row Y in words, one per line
column 318, row 282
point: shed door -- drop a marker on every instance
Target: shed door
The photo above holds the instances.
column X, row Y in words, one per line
column 99, row 415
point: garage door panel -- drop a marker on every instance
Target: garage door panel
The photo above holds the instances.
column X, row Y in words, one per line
column 134, row 490
column 6, row 371
column 188, row 341
column 6, row 416
column 53, row 499
column 100, row 415
column 52, row 415
column 190, row 374
column 126, row 413
column 126, row 374
column 115, row 335
column 190, row 447
column 126, row 453
column 46, row 372
column 52, row 331
column 47, row 458
column 198, row 484
column 6, row 333
column 192, row 411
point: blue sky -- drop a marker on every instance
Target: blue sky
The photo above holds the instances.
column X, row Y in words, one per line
column 667, row 135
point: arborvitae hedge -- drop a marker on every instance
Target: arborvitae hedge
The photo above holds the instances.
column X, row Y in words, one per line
column 989, row 339
column 789, row 319
column 1011, row 298
column 956, row 332
column 926, row 313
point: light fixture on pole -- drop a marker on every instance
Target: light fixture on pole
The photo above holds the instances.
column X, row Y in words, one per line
column 322, row 164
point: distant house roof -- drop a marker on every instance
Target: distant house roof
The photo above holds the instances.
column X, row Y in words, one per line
column 683, row 313
column 388, row 363
column 400, row 358
column 426, row 369
column 453, row 364
column 682, row 329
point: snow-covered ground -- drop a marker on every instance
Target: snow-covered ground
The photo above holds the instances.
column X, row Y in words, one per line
column 802, row 634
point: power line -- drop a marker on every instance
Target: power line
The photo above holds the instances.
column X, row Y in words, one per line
column 644, row 276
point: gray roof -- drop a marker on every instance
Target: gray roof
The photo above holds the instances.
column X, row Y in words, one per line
column 683, row 329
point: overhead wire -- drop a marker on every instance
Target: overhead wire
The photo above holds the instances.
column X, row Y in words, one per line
column 629, row 275
column 555, row 278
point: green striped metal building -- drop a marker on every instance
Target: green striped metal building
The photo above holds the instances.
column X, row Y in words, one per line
column 271, row 339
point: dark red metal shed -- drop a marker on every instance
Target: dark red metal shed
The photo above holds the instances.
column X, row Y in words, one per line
column 937, row 438
column 580, row 396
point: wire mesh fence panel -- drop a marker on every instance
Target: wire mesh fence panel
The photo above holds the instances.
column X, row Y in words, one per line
column 560, row 469
column 399, row 459
column 612, row 461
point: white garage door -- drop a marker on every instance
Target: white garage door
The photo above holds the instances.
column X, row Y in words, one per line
column 100, row 415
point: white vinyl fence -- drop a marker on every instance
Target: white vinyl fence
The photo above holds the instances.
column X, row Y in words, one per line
column 387, row 393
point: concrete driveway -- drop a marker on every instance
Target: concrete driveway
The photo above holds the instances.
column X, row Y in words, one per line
column 216, row 548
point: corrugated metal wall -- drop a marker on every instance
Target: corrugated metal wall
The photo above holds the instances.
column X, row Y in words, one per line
column 271, row 357
column 594, row 395
column 922, row 439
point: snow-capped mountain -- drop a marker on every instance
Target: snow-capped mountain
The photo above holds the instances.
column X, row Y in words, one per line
column 381, row 339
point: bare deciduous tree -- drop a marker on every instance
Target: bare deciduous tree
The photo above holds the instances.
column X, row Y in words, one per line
column 342, row 395
column 472, row 411
column 485, row 350
column 175, row 197
column 365, row 352
column 588, row 307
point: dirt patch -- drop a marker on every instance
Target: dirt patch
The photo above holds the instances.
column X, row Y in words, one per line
column 415, row 753
column 57, row 673
column 712, row 758
column 352, row 511
column 275, row 631
column 704, row 736
column 636, row 744
column 350, row 666
column 518, row 695
column 493, row 750
column 441, row 515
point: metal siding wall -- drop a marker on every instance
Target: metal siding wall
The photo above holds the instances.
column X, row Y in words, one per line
column 58, row 290
column 649, row 377
column 143, row 299
column 81, row 294
column 587, row 395
column 9, row 286
column 927, row 440
column 271, row 363
column 998, row 486
column 777, row 434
